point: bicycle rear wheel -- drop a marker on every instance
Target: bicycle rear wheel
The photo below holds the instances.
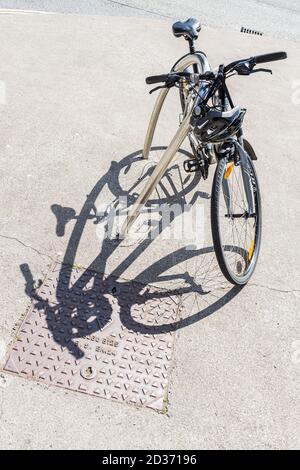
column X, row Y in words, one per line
column 236, row 233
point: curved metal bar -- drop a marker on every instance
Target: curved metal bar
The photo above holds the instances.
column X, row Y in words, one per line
column 202, row 57
column 182, row 132
column 190, row 59
column 185, row 61
column 153, row 121
column 157, row 174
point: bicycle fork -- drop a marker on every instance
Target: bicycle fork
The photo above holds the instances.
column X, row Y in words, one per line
column 247, row 181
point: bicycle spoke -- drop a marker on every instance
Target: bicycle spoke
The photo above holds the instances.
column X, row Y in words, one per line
column 237, row 233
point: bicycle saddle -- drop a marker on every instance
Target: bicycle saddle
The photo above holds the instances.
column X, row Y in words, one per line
column 189, row 28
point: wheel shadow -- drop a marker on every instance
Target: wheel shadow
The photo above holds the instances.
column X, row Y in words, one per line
column 83, row 305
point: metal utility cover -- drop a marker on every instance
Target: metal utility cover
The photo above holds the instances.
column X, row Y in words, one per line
column 99, row 335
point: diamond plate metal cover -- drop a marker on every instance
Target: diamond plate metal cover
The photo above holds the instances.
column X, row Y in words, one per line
column 97, row 335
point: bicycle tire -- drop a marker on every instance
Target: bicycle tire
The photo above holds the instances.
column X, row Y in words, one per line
column 234, row 278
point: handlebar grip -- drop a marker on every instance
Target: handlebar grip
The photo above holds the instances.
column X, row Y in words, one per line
column 156, row 79
column 260, row 59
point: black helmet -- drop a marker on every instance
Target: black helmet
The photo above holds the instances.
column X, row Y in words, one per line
column 217, row 126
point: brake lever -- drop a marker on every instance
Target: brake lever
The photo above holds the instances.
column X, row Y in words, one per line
column 263, row 70
column 168, row 84
column 157, row 88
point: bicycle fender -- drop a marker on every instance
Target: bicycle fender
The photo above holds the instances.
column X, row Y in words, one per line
column 249, row 149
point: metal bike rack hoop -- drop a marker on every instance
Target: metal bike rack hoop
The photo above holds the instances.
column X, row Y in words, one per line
column 186, row 61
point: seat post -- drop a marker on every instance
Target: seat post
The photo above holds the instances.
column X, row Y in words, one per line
column 191, row 44
column 192, row 51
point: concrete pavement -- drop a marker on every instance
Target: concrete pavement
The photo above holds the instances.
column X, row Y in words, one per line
column 275, row 18
column 75, row 102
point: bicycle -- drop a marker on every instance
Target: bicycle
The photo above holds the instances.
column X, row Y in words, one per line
column 214, row 128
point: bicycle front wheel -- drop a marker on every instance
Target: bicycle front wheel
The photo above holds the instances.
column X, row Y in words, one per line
column 236, row 233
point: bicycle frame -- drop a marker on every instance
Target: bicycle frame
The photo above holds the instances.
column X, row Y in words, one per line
column 199, row 60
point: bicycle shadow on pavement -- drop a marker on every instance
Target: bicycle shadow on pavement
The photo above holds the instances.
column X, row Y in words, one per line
column 86, row 317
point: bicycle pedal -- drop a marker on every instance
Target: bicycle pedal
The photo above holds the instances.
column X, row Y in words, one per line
column 192, row 165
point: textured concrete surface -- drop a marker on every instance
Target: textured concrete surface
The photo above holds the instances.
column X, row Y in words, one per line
column 76, row 102
column 275, row 18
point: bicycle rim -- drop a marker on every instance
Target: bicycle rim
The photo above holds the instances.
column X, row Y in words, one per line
column 236, row 235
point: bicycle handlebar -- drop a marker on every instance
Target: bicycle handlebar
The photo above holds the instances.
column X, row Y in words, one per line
column 260, row 59
column 156, row 79
column 171, row 78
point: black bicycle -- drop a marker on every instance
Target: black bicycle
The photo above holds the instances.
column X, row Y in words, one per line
column 214, row 128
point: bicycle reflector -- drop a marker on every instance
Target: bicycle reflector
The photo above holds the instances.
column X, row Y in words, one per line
column 228, row 170
column 251, row 250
